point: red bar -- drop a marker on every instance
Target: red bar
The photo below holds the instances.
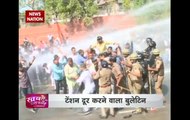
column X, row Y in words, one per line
column 34, row 16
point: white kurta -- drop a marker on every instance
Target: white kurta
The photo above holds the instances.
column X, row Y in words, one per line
column 87, row 79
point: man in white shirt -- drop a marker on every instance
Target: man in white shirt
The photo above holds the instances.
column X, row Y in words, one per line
column 87, row 80
column 74, row 55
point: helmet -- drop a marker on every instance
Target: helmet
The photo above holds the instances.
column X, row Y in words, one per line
column 134, row 56
column 151, row 43
column 126, row 52
column 156, row 52
column 99, row 38
column 148, row 39
column 104, row 64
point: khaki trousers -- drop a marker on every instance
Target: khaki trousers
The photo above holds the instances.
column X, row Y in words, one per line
column 158, row 85
column 106, row 90
column 136, row 89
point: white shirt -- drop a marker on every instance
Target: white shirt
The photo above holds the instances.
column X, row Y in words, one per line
column 87, row 79
column 74, row 57
column 90, row 66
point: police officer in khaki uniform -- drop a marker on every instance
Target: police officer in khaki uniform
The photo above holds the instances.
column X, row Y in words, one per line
column 158, row 72
column 127, row 67
column 104, row 75
column 126, row 60
column 117, row 75
column 135, row 75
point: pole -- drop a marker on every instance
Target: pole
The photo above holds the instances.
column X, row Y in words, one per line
column 123, row 88
column 150, row 82
column 61, row 37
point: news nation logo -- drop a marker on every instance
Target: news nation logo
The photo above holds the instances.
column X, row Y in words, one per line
column 37, row 101
column 34, row 16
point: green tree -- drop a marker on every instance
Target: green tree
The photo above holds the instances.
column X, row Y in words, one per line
column 132, row 4
column 127, row 4
column 54, row 8
column 70, row 9
column 89, row 10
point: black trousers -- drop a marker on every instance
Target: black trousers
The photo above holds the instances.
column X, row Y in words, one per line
column 96, row 82
column 59, row 84
column 26, row 91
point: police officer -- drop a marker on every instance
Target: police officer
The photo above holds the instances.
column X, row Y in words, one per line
column 118, row 75
column 127, row 67
column 151, row 45
column 158, row 72
column 135, row 75
column 144, row 65
column 104, row 75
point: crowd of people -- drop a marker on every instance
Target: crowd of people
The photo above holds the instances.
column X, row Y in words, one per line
column 104, row 68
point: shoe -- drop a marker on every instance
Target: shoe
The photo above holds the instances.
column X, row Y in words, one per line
column 87, row 112
column 112, row 115
column 137, row 112
column 128, row 116
column 102, row 117
column 32, row 110
column 36, row 109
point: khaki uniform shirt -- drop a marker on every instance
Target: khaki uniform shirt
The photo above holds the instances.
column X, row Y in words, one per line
column 160, row 65
column 104, row 75
column 136, row 67
column 128, row 61
column 116, row 70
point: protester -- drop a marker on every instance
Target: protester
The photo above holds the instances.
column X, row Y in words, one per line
column 24, row 81
column 73, row 54
column 72, row 74
column 58, row 75
column 87, row 80
column 101, row 45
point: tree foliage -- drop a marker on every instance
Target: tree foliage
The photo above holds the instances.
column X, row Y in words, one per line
column 127, row 4
column 130, row 4
column 70, row 9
